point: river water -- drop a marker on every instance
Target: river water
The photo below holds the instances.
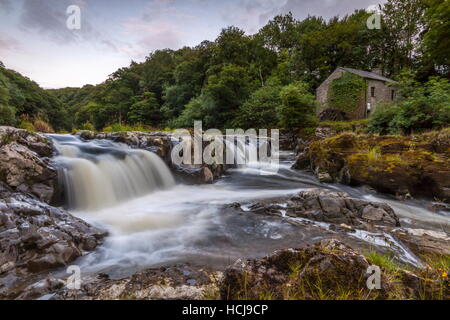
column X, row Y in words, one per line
column 153, row 221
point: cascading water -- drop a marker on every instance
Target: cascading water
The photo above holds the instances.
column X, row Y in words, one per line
column 101, row 173
column 153, row 222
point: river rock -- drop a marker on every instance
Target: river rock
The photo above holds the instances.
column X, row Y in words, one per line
column 36, row 237
column 326, row 270
column 331, row 207
column 424, row 242
column 154, row 141
column 24, row 163
column 417, row 165
column 179, row 282
column 297, row 270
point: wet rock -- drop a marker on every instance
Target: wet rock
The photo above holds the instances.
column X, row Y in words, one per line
column 154, row 141
column 331, row 263
column 166, row 283
column 36, row 237
column 424, row 242
column 331, row 207
column 326, row 270
column 24, row 163
column 302, row 161
column 192, row 175
column 41, row 288
column 396, row 165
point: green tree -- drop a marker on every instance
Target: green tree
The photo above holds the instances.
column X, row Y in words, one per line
column 260, row 110
column 436, row 44
column 298, row 106
column 7, row 115
column 145, row 111
column 421, row 107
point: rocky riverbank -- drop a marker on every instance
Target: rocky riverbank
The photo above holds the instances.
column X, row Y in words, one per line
column 37, row 238
column 405, row 166
column 34, row 236
column 326, row 270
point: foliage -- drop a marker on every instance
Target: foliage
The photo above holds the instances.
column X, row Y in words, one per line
column 436, row 43
column 260, row 110
column 234, row 79
column 118, row 127
column 145, row 110
column 422, row 107
column 7, row 115
column 346, row 92
column 42, row 126
column 19, row 95
column 297, row 107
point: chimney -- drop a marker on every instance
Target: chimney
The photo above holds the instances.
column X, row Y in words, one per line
column 378, row 71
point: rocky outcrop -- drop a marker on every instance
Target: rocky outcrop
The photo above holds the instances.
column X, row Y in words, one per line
column 25, row 164
column 416, row 165
column 326, row 270
column 154, row 141
column 161, row 144
column 331, row 207
column 424, row 242
column 36, row 237
column 180, row 282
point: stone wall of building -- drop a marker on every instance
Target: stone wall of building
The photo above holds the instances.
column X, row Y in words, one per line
column 383, row 93
column 322, row 90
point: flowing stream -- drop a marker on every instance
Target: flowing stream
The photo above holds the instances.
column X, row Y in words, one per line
column 153, row 221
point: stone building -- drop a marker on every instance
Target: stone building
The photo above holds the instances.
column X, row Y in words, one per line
column 377, row 91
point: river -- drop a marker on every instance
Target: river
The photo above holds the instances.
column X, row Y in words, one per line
column 154, row 221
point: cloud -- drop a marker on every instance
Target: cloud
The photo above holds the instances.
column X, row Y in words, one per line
column 161, row 25
column 253, row 14
column 49, row 17
column 8, row 43
column 325, row 8
column 6, row 5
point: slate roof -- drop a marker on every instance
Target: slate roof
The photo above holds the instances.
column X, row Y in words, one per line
column 367, row 75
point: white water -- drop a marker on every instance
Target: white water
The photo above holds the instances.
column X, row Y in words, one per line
column 101, row 174
column 154, row 222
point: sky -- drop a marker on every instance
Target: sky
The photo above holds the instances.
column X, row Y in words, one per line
column 35, row 39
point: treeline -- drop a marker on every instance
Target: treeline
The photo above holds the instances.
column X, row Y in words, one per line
column 262, row 80
column 24, row 103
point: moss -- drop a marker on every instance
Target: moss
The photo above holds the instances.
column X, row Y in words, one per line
column 346, row 93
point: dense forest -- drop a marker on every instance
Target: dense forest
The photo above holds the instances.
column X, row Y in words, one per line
column 266, row 79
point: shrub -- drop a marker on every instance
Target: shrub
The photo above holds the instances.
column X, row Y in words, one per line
column 88, row 126
column 118, row 127
column 259, row 111
column 422, row 107
column 42, row 126
column 297, row 108
column 7, row 115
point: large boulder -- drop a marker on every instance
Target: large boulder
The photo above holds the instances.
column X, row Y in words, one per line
column 331, row 207
column 166, row 283
column 24, row 163
column 36, row 237
column 416, row 166
column 326, row 270
column 294, row 273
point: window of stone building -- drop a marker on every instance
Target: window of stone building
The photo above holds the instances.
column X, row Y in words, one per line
column 372, row 92
column 392, row 94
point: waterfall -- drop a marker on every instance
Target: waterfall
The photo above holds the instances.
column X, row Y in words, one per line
column 102, row 173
